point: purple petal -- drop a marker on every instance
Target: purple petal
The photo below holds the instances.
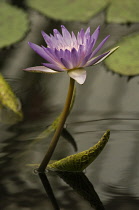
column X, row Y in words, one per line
column 95, row 34
column 87, row 31
column 40, row 69
column 100, row 58
column 57, row 54
column 39, row 50
column 66, row 35
column 78, row 74
column 81, row 51
column 89, row 48
column 87, row 34
column 61, row 53
column 67, row 55
column 50, row 52
column 54, row 41
column 80, row 37
column 56, row 32
column 99, row 46
column 96, row 60
column 66, row 63
column 56, row 60
column 47, row 39
column 74, row 40
column 58, row 37
column 107, row 54
column 52, row 66
column 52, row 58
column 74, row 57
column 85, row 60
column 80, row 55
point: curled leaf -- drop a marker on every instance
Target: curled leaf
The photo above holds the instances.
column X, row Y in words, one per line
column 8, row 99
column 78, row 162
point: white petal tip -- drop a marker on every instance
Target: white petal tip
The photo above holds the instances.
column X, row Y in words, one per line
column 107, row 55
column 40, row 69
column 79, row 75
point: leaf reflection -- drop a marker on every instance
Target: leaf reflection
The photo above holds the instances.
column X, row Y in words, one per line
column 79, row 182
column 66, row 135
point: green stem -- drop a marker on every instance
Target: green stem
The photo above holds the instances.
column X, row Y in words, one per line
column 58, row 131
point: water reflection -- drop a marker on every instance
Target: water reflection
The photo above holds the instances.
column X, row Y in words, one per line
column 80, row 184
column 48, row 190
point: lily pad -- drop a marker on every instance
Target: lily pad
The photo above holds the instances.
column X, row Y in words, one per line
column 13, row 24
column 68, row 10
column 123, row 11
column 125, row 60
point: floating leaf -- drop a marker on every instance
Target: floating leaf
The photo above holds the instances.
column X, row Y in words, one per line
column 8, row 98
column 68, row 10
column 80, row 183
column 125, row 61
column 13, row 24
column 123, row 11
column 78, row 162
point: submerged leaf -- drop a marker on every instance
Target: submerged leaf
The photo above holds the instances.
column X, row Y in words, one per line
column 8, row 99
column 13, row 24
column 125, row 61
column 79, row 10
column 79, row 161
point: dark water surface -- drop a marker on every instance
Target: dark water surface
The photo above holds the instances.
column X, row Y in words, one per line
column 105, row 101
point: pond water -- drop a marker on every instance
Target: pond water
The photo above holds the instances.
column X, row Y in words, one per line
column 105, row 101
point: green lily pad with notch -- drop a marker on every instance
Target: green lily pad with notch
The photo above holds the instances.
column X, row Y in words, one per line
column 123, row 11
column 68, row 10
column 125, row 60
column 13, row 24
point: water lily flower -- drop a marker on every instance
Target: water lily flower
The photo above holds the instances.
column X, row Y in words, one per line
column 67, row 53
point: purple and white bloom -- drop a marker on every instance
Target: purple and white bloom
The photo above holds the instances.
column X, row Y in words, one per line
column 66, row 52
